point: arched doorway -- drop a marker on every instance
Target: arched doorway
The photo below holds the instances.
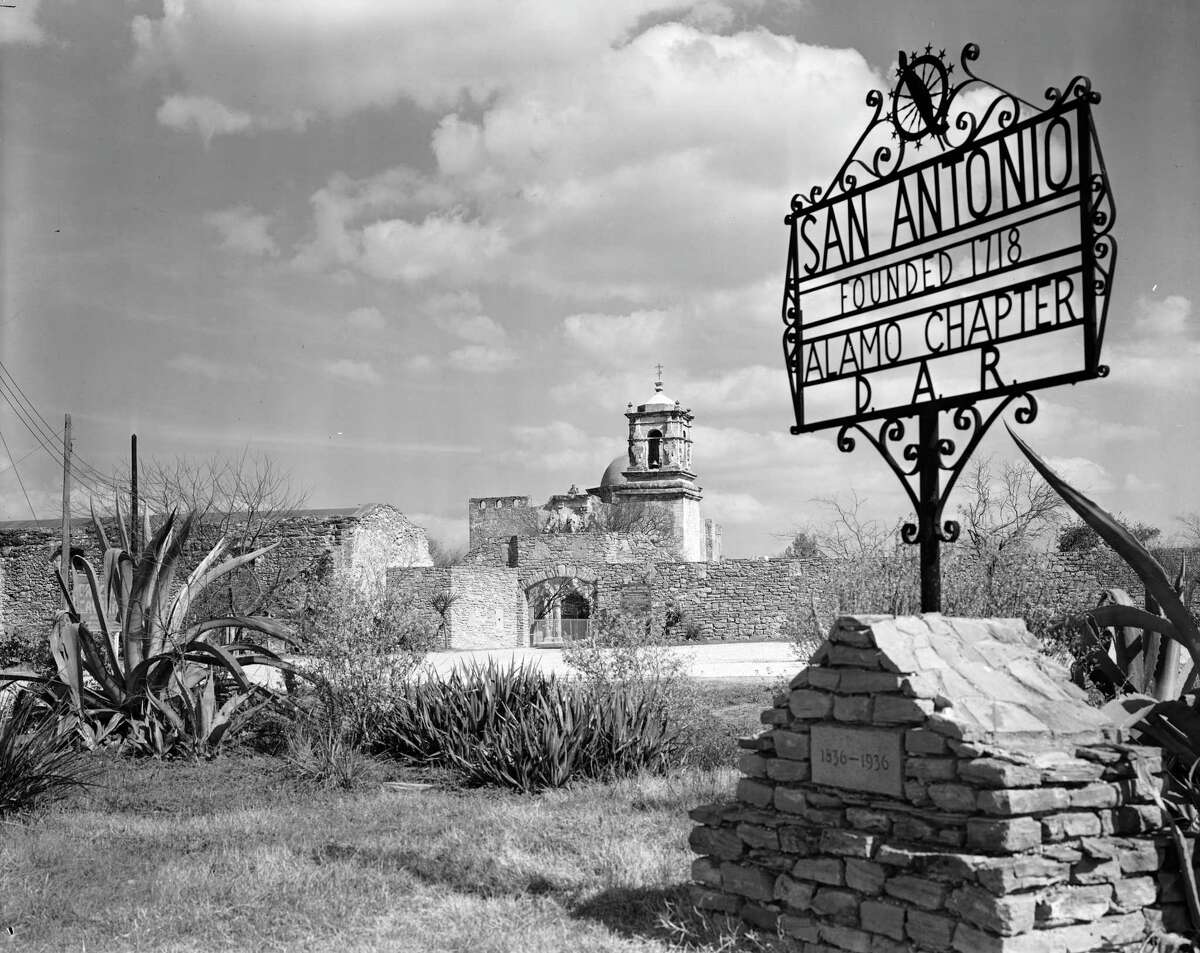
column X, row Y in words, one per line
column 560, row 610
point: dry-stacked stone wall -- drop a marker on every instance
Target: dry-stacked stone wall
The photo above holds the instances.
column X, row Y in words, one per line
column 935, row 784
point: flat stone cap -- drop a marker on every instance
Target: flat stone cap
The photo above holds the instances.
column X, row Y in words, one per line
column 986, row 677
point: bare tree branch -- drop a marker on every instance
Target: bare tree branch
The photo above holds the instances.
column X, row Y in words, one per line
column 244, row 499
column 1006, row 507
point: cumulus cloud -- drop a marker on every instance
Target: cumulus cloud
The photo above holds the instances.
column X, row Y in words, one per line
column 202, row 115
column 19, row 26
column 747, row 450
column 243, row 230
column 482, row 359
column 199, row 366
column 646, row 169
column 354, row 372
column 1164, row 317
column 1082, row 473
column 755, row 387
column 744, row 388
column 487, row 349
column 1163, row 349
column 658, row 139
column 334, row 59
column 343, row 207
column 448, row 247
column 734, row 507
column 558, row 445
column 620, row 338
column 1136, row 484
column 365, row 319
column 450, row 531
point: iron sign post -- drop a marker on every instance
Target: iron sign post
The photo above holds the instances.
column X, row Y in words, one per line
column 949, row 285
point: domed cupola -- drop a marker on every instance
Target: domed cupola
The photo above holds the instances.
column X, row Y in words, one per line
column 614, row 473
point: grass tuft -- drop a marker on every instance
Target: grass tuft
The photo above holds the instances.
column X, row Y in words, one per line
column 39, row 756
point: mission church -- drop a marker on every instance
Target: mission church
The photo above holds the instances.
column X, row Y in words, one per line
column 649, row 490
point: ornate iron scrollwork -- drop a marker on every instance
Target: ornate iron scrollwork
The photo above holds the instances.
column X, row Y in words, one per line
column 906, row 457
column 921, row 106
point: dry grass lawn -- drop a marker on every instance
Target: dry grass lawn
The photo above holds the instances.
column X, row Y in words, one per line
column 234, row 855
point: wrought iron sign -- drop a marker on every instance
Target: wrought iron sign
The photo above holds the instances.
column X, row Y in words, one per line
column 960, row 259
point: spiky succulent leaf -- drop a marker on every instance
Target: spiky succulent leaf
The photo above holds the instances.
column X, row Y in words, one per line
column 64, row 649
column 192, row 589
column 85, row 567
column 1139, row 559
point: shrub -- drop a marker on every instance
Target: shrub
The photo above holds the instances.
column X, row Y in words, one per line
column 366, row 641
column 39, row 760
column 620, row 652
column 619, row 656
column 519, row 728
column 23, row 646
column 320, row 749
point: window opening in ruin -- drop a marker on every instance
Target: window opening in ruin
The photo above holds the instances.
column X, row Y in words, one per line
column 655, row 442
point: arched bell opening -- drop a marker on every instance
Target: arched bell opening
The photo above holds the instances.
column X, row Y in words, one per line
column 654, row 449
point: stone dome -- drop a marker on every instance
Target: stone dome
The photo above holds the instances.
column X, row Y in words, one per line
column 659, row 400
column 614, row 474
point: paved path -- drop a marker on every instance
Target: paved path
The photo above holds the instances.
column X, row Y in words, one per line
column 763, row 660
column 716, row 660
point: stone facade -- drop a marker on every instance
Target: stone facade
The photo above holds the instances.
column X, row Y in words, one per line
column 935, row 784
column 485, row 605
column 366, row 539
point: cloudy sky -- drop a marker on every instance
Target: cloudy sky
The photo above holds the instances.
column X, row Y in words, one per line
column 419, row 251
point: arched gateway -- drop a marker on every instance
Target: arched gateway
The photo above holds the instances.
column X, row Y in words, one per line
column 560, row 609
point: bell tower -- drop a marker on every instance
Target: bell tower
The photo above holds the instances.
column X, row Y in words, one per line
column 660, row 468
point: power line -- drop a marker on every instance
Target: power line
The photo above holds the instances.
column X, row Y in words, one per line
column 18, row 473
column 85, row 474
column 55, row 452
column 48, row 432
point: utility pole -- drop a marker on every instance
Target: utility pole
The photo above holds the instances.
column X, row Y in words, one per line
column 65, row 559
column 133, row 496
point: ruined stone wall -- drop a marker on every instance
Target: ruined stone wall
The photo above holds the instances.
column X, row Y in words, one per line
column 739, row 599
column 384, row 537
column 487, row 605
column 950, row 792
column 591, row 548
column 309, row 543
column 490, row 517
column 419, row 586
column 31, row 595
column 1074, row 580
column 489, row 609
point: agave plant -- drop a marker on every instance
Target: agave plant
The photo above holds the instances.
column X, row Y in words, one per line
column 1142, row 663
column 1144, row 670
column 149, row 676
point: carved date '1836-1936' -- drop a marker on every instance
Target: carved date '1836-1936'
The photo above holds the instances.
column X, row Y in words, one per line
column 860, row 759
